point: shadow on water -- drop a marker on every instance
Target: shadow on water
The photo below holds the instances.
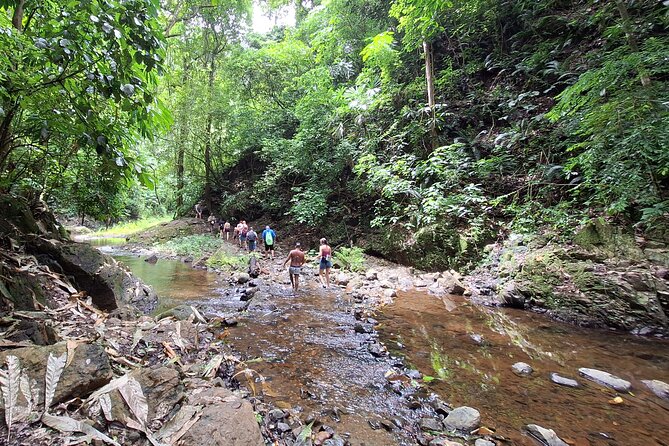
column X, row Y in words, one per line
column 470, row 351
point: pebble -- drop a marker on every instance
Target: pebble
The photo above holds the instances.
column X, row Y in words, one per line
column 606, row 379
column 463, row 418
column 444, row 442
column 546, row 436
column 283, row 427
column 483, row 442
column 277, row 414
column 659, row 388
column 334, row 441
column 414, row 374
column 561, row 380
column 522, row 369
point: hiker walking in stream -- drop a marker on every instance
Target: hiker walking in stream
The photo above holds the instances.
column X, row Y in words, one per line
column 225, row 230
column 325, row 264
column 212, row 223
column 296, row 259
column 243, row 230
column 268, row 237
column 251, row 239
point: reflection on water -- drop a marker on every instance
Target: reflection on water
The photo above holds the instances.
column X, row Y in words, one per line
column 101, row 241
column 173, row 281
column 470, row 350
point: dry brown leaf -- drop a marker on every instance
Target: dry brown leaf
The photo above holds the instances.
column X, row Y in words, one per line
column 71, row 347
column 54, row 368
column 67, row 424
column 134, row 396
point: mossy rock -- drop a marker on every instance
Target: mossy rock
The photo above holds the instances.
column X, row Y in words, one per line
column 601, row 237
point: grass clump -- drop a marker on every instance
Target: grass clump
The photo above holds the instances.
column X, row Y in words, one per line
column 191, row 245
column 132, row 227
column 352, row 259
column 223, row 259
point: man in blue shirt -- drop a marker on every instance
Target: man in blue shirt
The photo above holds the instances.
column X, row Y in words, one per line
column 268, row 237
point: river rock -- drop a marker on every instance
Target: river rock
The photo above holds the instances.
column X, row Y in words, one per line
column 546, row 436
column 88, row 370
column 659, row 388
column 152, row 259
column 522, row 369
column 363, row 328
column 227, row 420
column 463, row 418
column 606, row 379
column 336, row 440
column 342, row 279
column 386, row 284
column 431, row 424
column 561, row 380
column 484, row 442
column 241, row 277
column 389, row 293
column 371, row 275
column 180, row 312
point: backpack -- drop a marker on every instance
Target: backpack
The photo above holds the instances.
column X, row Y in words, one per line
column 251, row 236
column 269, row 239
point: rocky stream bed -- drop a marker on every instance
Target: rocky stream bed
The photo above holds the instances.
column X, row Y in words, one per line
column 90, row 354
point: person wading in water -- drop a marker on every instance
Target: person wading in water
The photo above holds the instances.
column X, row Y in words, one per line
column 325, row 264
column 296, row 259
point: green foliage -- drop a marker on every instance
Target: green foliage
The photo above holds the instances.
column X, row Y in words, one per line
column 226, row 260
column 352, row 259
column 132, row 227
column 622, row 128
column 190, row 245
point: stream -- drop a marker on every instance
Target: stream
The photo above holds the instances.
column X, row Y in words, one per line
column 314, row 361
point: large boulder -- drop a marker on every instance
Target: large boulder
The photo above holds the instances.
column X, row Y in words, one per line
column 100, row 276
column 463, row 418
column 88, row 370
column 226, row 420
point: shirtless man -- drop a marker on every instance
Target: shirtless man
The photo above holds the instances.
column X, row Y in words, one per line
column 296, row 258
column 198, row 210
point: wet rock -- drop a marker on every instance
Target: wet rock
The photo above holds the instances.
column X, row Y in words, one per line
column 277, row 414
column 477, row 338
column 371, row 275
column 420, row 283
column 484, row 442
column 88, row 370
column 431, row 424
column 561, row 380
column 126, row 313
column 375, row 425
column 188, row 259
column 283, row 427
column 152, row 259
column 386, row 284
column 342, row 279
column 440, row 407
column 241, row 277
column 376, row 350
column 606, row 379
column 414, row 374
column 226, row 420
column 463, row 418
column 522, row 369
column 659, row 388
column 546, row 436
column 363, row 328
column 336, row 440
column 180, row 312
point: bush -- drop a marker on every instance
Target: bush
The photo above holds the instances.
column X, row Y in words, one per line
column 352, row 259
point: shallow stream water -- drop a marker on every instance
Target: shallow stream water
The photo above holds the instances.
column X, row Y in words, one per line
column 313, row 361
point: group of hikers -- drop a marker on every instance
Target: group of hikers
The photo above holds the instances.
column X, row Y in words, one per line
column 247, row 239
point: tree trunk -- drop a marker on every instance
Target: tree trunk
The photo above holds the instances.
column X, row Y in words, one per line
column 208, row 142
column 17, row 18
column 6, row 137
column 429, row 79
column 631, row 37
column 181, row 142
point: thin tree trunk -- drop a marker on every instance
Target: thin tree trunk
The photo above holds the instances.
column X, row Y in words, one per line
column 181, row 143
column 429, row 79
column 17, row 18
column 208, row 143
column 631, row 38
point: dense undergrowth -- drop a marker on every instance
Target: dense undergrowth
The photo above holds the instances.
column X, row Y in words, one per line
column 547, row 114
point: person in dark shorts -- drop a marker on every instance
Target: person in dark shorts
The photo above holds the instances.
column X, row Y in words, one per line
column 325, row 264
column 225, row 230
column 296, row 259
column 244, row 229
column 251, row 239
column 268, row 237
